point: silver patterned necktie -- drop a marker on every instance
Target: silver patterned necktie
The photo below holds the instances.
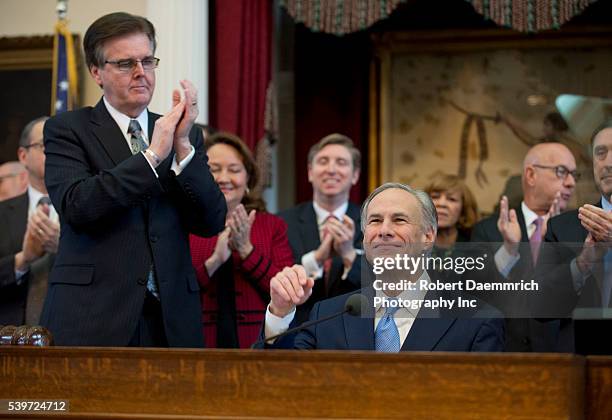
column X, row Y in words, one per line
column 137, row 145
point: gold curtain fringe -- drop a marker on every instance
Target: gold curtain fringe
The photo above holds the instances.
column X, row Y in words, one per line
column 340, row 17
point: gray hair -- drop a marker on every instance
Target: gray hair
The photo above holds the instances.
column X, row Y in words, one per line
column 428, row 210
column 24, row 140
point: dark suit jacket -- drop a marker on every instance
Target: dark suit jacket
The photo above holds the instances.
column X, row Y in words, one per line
column 563, row 242
column 303, row 234
column 117, row 220
column 13, row 222
column 349, row 332
column 522, row 334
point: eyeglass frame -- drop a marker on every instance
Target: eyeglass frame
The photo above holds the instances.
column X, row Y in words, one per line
column 133, row 63
column 36, row 145
column 561, row 171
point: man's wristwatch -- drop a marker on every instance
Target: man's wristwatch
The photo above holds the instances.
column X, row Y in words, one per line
column 153, row 156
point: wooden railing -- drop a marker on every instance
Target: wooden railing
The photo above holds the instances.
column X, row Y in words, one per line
column 184, row 383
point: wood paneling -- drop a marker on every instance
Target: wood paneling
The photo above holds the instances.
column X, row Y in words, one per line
column 145, row 383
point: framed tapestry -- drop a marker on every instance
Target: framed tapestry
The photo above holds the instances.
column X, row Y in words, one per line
column 26, row 65
column 471, row 103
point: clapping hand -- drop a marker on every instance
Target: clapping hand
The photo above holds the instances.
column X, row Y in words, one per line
column 240, row 226
column 509, row 227
column 181, row 143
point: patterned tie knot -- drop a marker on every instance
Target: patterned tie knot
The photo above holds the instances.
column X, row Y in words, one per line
column 392, row 309
column 44, row 200
column 134, row 128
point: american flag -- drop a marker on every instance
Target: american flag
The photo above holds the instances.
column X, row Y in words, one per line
column 64, row 89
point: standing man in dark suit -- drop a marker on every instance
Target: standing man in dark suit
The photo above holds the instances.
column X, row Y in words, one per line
column 575, row 269
column 129, row 186
column 30, row 234
column 396, row 221
column 322, row 232
column 549, row 177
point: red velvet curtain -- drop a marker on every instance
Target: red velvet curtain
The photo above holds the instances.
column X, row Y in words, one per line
column 331, row 96
column 240, row 63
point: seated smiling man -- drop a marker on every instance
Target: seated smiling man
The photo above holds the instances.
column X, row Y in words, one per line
column 396, row 219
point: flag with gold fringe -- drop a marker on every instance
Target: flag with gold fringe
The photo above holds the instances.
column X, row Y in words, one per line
column 64, row 89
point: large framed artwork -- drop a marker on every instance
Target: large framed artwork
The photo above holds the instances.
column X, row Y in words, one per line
column 26, row 65
column 471, row 103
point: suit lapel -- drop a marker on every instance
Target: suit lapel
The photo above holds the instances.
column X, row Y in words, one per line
column 521, row 220
column 359, row 332
column 309, row 228
column 106, row 130
column 354, row 213
column 18, row 216
column 425, row 333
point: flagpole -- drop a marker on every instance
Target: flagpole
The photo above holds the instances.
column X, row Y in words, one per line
column 62, row 9
column 64, row 86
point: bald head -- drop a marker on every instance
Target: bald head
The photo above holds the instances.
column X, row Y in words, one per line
column 541, row 180
column 547, row 154
column 13, row 180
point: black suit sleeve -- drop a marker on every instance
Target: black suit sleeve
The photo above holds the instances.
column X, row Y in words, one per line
column 198, row 194
column 84, row 194
column 7, row 271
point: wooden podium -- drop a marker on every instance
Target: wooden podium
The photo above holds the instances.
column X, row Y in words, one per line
column 137, row 383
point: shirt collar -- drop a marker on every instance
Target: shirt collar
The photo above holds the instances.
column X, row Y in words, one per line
column 123, row 121
column 405, row 295
column 529, row 215
column 323, row 214
column 33, row 196
column 605, row 204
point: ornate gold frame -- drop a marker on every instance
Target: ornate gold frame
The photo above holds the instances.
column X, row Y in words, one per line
column 452, row 41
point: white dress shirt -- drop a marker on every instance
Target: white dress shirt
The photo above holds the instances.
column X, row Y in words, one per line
column 33, row 196
column 123, row 121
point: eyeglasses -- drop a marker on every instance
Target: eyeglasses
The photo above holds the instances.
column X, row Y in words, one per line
column 39, row 145
column 129, row 64
column 561, row 171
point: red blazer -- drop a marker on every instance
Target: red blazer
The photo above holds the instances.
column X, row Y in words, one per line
column 271, row 253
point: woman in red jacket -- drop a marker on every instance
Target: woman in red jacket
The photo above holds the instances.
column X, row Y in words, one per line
column 234, row 268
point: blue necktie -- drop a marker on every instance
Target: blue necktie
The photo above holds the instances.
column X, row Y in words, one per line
column 387, row 335
column 137, row 145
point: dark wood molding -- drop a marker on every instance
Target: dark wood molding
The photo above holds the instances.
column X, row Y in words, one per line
column 459, row 40
column 30, row 52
